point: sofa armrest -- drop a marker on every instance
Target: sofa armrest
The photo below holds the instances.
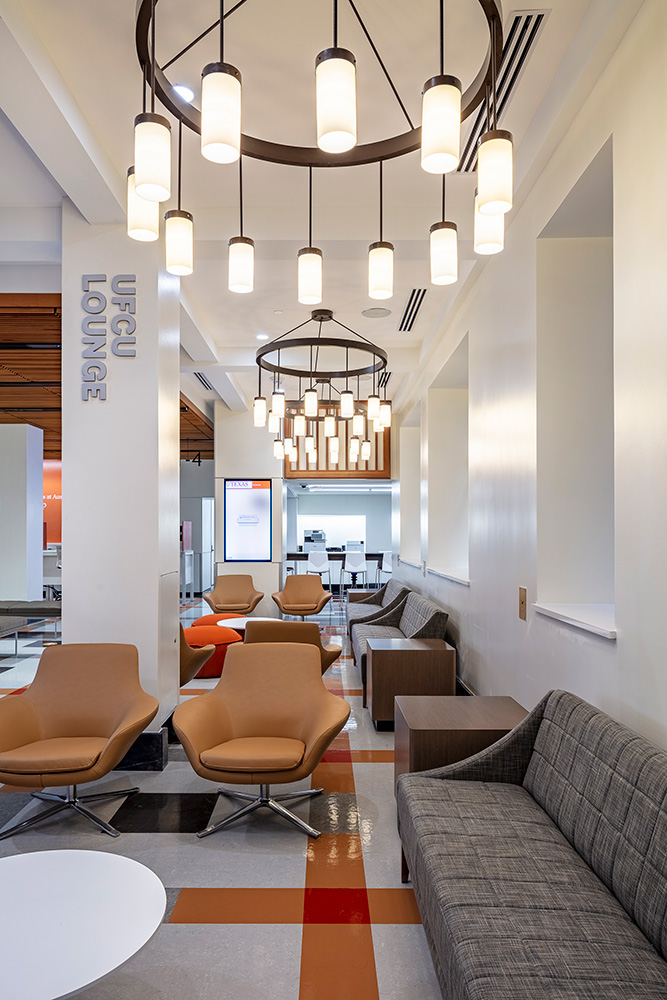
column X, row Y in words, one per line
column 391, row 618
column 373, row 596
column 505, row 761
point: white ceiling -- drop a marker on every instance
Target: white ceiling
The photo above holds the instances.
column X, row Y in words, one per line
column 88, row 45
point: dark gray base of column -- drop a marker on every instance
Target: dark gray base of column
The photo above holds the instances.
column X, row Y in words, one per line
column 147, row 753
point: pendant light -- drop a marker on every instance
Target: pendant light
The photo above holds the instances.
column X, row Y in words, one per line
column 385, row 415
column 329, row 426
column 347, row 396
column 334, row 451
column 373, row 403
column 278, row 398
column 241, row 273
column 444, row 254
column 259, row 403
column 377, row 425
column 309, row 261
column 289, row 444
column 143, row 217
column 336, row 96
column 273, row 422
column 495, row 170
column 441, row 116
column 152, row 143
column 365, row 450
column 278, row 448
column 381, row 261
column 179, row 228
column 488, row 232
column 355, row 448
column 312, row 457
column 310, row 402
column 358, row 424
column 309, row 444
column 221, row 106
column 299, row 425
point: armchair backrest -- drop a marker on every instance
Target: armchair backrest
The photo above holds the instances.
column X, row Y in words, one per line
column 234, row 588
column 270, row 688
column 83, row 689
column 301, row 588
column 392, row 590
column 278, row 630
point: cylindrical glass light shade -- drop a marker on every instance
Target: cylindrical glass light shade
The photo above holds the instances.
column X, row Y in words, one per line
column 488, row 232
column 346, row 404
column 385, row 415
column 355, row 448
column 278, row 449
column 334, row 452
column 241, row 271
column 444, row 253
column 381, row 270
column 373, row 403
column 441, row 124
column 152, row 157
column 358, row 424
column 329, row 426
column 143, row 217
column 179, row 242
column 310, row 444
column 273, row 422
column 289, row 445
column 259, row 411
column 495, row 172
column 336, row 97
column 221, row 113
column 309, row 276
column 312, row 457
column 299, row 425
column 310, row 402
column 377, row 425
column 278, row 403
column 365, row 450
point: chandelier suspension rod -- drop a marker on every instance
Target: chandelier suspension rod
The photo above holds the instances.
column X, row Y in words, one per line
column 494, row 72
column 293, row 330
column 208, row 31
column 381, row 63
column 153, row 57
column 180, row 159
column 350, row 330
column 310, row 206
column 335, row 24
column 381, row 205
column 442, row 37
column 222, row 30
column 443, row 197
column 241, row 195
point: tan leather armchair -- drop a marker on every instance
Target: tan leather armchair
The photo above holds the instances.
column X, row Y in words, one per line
column 233, row 593
column 191, row 659
column 76, row 721
column 302, row 595
column 280, row 631
column 268, row 720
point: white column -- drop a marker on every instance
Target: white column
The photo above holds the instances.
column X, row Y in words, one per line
column 21, row 506
column 120, row 407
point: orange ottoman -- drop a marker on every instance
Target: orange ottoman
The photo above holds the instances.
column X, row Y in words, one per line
column 212, row 635
column 211, row 620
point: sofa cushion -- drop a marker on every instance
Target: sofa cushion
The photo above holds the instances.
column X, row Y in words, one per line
column 606, row 788
column 362, row 633
column 392, row 590
column 421, row 619
column 510, row 910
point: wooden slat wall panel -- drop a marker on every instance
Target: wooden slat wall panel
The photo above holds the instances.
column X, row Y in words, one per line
column 377, row 467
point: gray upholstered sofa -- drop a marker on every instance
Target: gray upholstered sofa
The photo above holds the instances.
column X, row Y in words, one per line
column 414, row 618
column 540, row 864
column 33, row 609
column 380, row 603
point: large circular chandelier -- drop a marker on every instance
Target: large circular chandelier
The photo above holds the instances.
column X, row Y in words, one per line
column 219, row 123
column 318, row 362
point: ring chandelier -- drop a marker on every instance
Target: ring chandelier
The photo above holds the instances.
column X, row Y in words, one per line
column 219, row 124
column 319, row 361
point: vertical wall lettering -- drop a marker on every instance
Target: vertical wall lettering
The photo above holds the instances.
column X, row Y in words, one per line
column 94, row 329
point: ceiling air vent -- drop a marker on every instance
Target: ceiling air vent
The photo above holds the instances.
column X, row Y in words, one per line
column 414, row 304
column 524, row 29
column 204, row 381
column 383, row 379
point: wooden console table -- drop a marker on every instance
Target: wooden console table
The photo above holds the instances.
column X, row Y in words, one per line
column 432, row 732
column 406, row 667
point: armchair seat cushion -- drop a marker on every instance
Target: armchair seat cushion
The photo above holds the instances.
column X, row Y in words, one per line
column 54, row 756
column 300, row 607
column 242, row 606
column 255, row 753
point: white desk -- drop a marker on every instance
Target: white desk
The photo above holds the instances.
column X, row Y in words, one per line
column 71, row 918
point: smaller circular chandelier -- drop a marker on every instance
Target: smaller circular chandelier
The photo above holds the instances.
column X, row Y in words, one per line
column 318, row 363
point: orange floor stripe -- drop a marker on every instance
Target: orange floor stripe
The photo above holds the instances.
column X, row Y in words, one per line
column 334, row 777
column 393, row 906
column 335, row 861
column 338, row 963
column 372, row 756
column 238, row 906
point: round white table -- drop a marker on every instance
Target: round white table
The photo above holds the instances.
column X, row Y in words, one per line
column 239, row 624
column 71, row 918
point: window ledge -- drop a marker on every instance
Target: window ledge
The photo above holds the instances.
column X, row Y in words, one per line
column 456, row 575
column 406, row 562
column 600, row 619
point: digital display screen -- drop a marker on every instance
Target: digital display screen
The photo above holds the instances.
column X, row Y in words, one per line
column 247, row 520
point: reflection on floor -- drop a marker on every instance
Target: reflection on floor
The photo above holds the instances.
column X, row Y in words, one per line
column 259, row 910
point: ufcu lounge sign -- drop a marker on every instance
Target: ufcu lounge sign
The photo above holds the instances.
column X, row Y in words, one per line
column 99, row 334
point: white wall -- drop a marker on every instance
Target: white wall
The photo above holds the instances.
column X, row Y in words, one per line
column 499, row 653
column 410, row 494
column 448, row 481
column 197, row 480
column 21, row 512
column 375, row 507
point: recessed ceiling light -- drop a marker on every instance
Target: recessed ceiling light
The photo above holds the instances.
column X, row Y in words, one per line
column 376, row 312
column 262, row 336
column 277, row 312
column 185, row 92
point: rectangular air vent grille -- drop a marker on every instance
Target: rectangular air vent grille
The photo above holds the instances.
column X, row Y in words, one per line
column 519, row 43
column 414, row 304
column 204, row 381
column 383, row 379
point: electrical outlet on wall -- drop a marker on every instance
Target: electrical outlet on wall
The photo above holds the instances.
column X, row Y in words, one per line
column 522, row 603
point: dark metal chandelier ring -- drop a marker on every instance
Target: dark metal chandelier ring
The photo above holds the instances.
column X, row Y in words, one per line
column 379, row 358
column 312, row 156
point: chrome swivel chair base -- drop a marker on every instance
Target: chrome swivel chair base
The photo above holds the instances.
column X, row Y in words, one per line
column 70, row 801
column 264, row 799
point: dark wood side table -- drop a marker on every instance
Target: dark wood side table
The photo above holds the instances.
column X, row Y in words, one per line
column 406, row 667
column 432, row 732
